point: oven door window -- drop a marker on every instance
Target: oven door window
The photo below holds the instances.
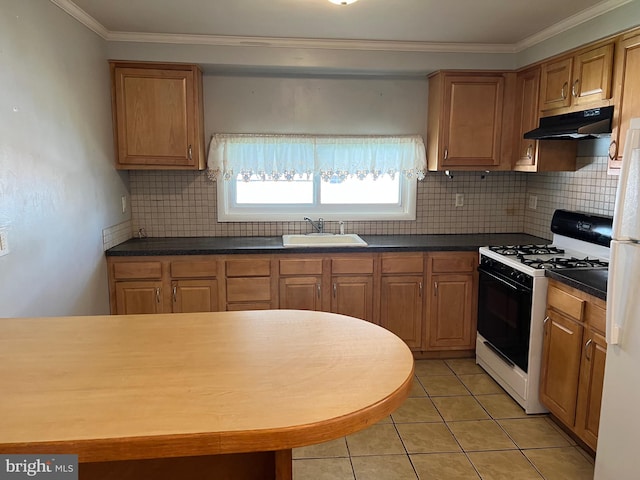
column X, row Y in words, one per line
column 504, row 316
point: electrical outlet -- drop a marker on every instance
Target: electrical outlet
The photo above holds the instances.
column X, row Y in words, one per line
column 459, row 200
column 533, row 202
column 4, row 242
column 124, row 203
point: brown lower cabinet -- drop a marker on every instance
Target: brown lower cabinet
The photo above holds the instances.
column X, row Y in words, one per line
column 136, row 296
column 452, row 299
column 428, row 300
column 573, row 358
column 401, row 304
column 353, row 296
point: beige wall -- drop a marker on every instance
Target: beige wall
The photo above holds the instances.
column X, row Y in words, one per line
column 58, row 186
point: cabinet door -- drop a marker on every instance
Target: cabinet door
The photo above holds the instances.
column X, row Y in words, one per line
column 560, row 373
column 451, row 317
column 594, row 356
column 472, row 120
column 353, row 296
column 301, row 293
column 138, row 297
column 155, row 117
column 555, row 87
column 627, row 95
column 195, row 295
column 592, row 75
column 401, row 307
column 528, row 91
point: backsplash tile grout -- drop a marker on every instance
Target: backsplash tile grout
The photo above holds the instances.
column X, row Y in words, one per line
column 183, row 204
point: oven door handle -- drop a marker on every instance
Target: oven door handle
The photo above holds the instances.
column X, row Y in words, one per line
column 503, row 280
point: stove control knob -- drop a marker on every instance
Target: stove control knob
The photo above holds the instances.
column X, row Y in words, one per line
column 487, row 261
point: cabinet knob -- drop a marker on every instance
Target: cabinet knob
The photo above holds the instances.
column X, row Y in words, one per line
column 446, row 153
column 190, row 152
column 563, row 93
column 158, row 295
column 435, row 288
column 335, row 290
column 175, row 294
column 574, row 89
column 318, row 287
column 613, row 150
column 587, row 349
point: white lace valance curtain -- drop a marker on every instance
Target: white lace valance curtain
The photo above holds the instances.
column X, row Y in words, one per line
column 276, row 157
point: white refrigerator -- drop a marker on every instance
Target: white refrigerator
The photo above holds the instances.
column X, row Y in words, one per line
column 618, row 452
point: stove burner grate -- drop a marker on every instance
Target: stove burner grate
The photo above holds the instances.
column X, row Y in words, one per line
column 531, row 249
column 561, row 263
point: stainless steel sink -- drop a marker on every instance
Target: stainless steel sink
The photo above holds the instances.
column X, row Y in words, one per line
column 323, row 240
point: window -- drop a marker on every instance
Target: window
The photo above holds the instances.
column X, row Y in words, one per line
column 285, row 177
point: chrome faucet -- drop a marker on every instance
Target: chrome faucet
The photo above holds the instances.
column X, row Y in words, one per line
column 317, row 226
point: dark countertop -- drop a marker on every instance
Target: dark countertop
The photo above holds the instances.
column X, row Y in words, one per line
column 589, row 280
column 378, row 243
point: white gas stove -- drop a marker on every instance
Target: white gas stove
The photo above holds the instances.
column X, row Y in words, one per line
column 513, row 294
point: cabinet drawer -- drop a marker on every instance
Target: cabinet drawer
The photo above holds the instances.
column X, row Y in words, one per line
column 342, row 266
column 237, row 307
column 596, row 316
column 308, row 266
column 194, row 268
column 453, row 262
column 565, row 302
column 402, row 264
column 259, row 267
column 254, row 289
column 133, row 270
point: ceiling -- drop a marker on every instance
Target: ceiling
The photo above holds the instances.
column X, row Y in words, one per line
column 512, row 24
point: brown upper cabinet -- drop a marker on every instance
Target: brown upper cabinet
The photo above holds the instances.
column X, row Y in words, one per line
column 157, row 116
column 579, row 80
column 626, row 93
column 533, row 155
column 466, row 120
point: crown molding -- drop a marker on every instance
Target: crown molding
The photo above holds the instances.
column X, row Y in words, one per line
column 83, row 17
column 308, row 43
column 569, row 23
column 335, row 44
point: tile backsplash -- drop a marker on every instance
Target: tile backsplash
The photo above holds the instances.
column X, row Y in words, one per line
column 115, row 234
column 183, row 204
column 589, row 189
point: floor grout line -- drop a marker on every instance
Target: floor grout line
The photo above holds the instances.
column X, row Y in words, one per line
column 466, row 453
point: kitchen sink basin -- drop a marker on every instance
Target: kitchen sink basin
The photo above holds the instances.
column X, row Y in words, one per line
column 323, row 240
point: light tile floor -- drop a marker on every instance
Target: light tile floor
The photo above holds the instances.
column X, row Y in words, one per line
column 456, row 424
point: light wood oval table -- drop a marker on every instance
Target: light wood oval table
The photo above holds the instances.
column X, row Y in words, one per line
column 204, row 395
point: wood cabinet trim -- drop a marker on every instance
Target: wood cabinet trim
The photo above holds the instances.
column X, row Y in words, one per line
column 451, row 262
column 402, row 263
column 565, row 303
column 139, row 270
column 255, row 267
column 353, row 265
column 194, row 268
column 301, row 266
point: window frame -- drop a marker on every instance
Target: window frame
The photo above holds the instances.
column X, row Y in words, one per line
column 229, row 211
